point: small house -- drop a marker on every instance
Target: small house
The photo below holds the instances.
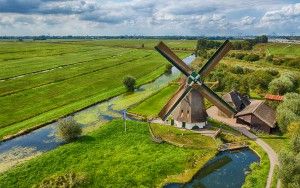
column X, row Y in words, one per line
column 258, row 116
column 236, row 100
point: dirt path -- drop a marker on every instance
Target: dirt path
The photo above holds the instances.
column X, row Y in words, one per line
column 213, row 113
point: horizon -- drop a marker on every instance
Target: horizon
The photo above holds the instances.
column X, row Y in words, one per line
column 151, row 18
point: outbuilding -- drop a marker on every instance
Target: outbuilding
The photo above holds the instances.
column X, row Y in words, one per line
column 258, row 116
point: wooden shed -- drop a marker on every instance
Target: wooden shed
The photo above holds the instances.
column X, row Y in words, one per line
column 258, row 116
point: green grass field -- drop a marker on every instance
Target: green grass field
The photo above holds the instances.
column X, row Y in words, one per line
column 109, row 156
column 47, row 80
column 152, row 105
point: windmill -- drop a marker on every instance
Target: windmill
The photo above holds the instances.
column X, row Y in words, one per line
column 187, row 104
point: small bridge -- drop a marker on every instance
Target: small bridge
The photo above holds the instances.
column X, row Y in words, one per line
column 232, row 146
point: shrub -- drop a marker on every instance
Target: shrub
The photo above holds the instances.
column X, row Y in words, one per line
column 168, row 69
column 67, row 180
column 202, row 53
column 269, row 58
column 281, row 85
column 237, row 70
column 260, row 80
column 251, row 57
column 68, row 129
column 273, row 72
column 239, row 56
column 288, row 111
column 129, row 82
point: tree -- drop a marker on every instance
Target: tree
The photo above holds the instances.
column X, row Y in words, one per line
column 251, row 57
column 168, row 69
column 281, row 85
column 260, row 80
column 289, row 159
column 68, row 129
column 129, row 82
column 288, row 111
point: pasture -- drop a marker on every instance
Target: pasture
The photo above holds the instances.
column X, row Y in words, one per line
column 151, row 106
column 43, row 81
column 109, row 156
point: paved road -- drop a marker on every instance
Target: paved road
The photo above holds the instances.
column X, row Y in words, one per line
column 213, row 113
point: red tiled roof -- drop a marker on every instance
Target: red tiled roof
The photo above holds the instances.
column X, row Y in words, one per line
column 274, row 97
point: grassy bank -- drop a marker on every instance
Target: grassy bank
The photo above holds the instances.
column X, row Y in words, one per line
column 259, row 172
column 109, row 157
column 152, row 105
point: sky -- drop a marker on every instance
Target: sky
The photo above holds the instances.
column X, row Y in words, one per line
column 150, row 17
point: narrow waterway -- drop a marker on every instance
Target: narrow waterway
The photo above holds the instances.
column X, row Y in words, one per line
column 227, row 169
column 43, row 139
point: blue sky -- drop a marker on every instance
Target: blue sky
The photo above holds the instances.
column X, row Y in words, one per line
column 149, row 17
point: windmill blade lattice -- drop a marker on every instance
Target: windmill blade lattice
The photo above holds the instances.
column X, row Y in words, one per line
column 194, row 80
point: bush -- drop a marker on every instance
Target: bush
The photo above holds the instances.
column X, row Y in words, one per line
column 260, row 80
column 239, row 56
column 273, row 72
column 281, row 85
column 168, row 69
column 269, row 58
column 237, row 70
column 288, row 111
column 66, row 180
column 129, row 82
column 251, row 57
column 202, row 53
column 68, row 129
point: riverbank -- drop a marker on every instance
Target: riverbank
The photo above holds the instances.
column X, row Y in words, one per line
column 49, row 117
column 126, row 158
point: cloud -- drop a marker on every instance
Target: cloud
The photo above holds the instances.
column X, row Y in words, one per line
column 286, row 13
column 247, row 20
column 151, row 17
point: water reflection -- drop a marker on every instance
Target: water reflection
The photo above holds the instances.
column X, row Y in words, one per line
column 227, row 169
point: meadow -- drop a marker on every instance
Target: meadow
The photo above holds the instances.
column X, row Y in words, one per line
column 151, row 106
column 114, row 158
column 43, row 81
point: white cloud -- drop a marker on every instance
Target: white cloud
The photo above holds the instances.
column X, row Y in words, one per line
column 286, row 13
column 151, row 17
column 247, row 20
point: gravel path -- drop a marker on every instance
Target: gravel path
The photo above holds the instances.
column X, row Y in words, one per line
column 213, row 113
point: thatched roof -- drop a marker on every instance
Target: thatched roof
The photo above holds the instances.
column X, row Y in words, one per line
column 238, row 100
column 261, row 111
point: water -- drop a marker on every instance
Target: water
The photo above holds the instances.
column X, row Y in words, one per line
column 227, row 169
column 43, row 139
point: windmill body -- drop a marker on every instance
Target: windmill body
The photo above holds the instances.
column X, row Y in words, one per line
column 190, row 112
column 187, row 104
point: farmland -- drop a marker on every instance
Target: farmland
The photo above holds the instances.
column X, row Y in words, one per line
column 130, row 159
column 46, row 80
column 42, row 81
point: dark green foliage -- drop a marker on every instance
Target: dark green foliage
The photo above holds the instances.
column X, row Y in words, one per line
column 240, row 56
column 272, row 72
column 202, row 53
column 260, row 80
column 251, row 57
column 289, row 159
column 269, row 58
column 68, row 130
column 261, row 39
column 285, row 83
column 168, row 69
column 129, row 82
column 237, row 70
